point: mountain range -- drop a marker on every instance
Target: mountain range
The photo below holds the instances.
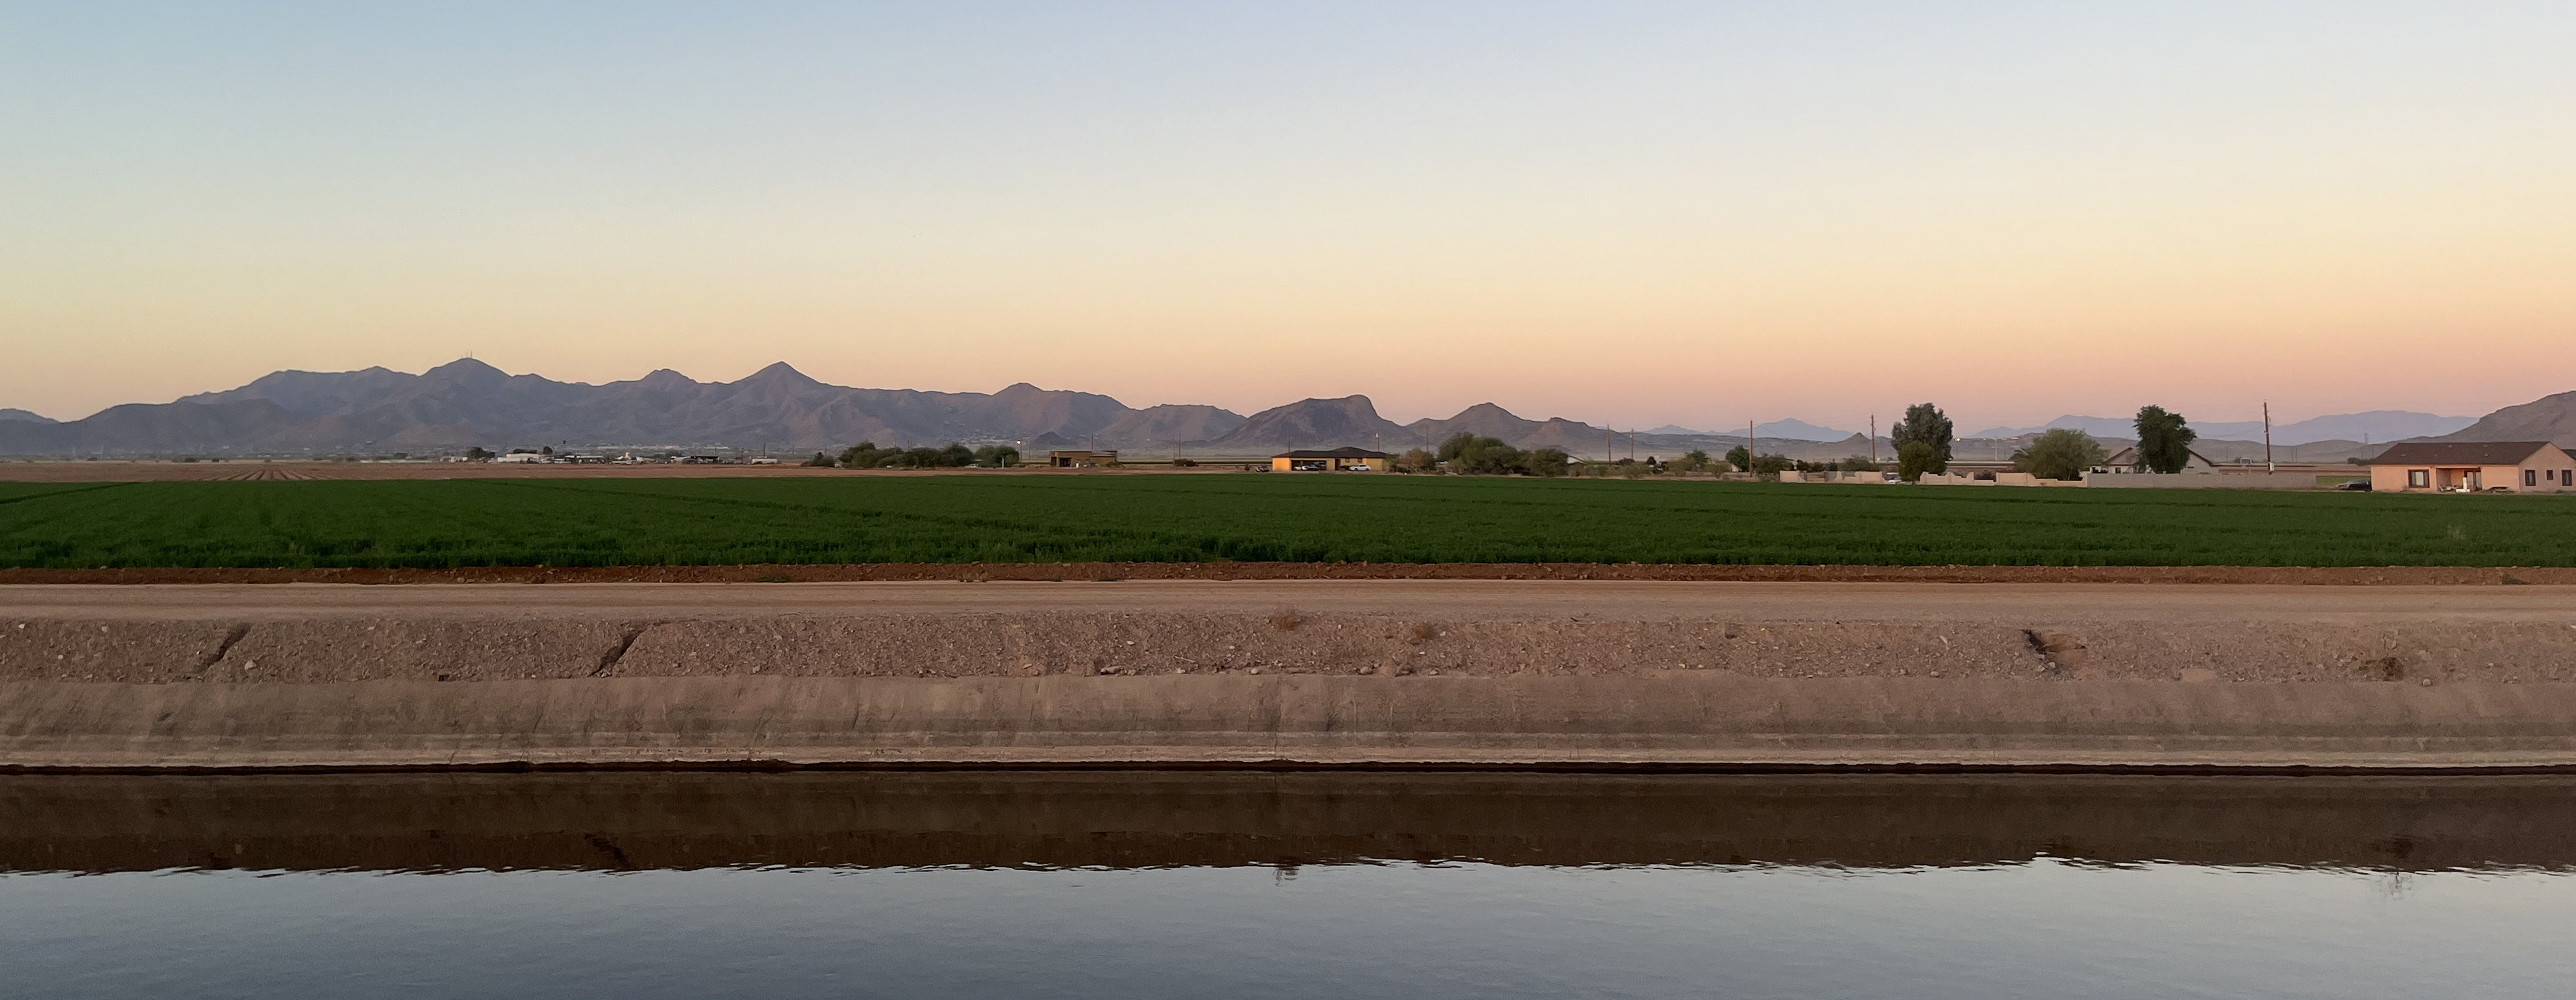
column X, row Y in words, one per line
column 2376, row 425
column 1790, row 429
column 467, row 403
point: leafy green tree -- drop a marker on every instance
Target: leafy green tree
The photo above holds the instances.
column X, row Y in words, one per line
column 819, row 461
column 1913, row 459
column 1485, row 456
column 1741, row 458
column 2062, row 453
column 998, row 456
column 1770, row 467
column 478, row 453
column 1857, row 463
column 866, row 455
column 1418, row 460
column 1549, row 462
column 1694, row 460
column 2164, row 440
column 1926, row 423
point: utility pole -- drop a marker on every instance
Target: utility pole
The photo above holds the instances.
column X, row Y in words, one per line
column 1873, row 439
column 1609, row 445
column 2267, row 438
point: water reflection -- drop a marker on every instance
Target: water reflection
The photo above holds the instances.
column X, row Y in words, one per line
column 680, row 821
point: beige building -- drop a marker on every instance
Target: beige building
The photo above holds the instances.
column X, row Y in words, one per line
column 2473, row 466
column 1336, row 460
column 1080, row 459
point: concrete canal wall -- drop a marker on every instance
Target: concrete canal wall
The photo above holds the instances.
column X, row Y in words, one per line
column 1703, row 675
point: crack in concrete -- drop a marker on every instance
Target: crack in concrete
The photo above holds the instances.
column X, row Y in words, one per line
column 231, row 639
column 608, row 660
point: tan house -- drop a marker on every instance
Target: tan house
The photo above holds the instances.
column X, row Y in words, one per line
column 1336, row 460
column 2473, row 466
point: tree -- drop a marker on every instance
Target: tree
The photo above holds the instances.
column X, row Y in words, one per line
column 1003, row 456
column 1913, row 459
column 1693, row 460
column 1770, row 467
column 1548, row 462
column 866, row 455
column 1480, row 455
column 820, row 461
column 2164, row 440
column 2062, row 453
column 1857, row 463
column 1926, row 423
column 1417, row 460
column 1741, row 458
column 478, row 453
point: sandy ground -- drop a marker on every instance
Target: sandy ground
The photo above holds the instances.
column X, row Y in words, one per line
column 322, row 633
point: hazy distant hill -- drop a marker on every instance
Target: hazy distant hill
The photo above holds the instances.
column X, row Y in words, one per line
column 2549, row 418
column 465, row 403
column 2375, row 425
column 1350, row 421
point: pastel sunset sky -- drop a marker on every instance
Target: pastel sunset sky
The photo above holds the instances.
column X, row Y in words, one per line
column 1628, row 213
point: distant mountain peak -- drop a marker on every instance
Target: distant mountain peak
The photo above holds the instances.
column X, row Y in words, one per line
column 30, row 416
column 780, row 371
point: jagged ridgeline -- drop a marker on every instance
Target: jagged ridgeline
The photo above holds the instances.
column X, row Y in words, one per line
column 467, row 403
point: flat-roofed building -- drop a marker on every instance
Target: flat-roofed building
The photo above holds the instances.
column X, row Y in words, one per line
column 2472, row 466
column 1335, row 460
column 1080, row 459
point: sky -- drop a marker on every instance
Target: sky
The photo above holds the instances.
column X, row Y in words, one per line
column 1628, row 213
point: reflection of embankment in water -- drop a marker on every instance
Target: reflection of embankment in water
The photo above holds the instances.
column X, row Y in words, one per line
column 609, row 821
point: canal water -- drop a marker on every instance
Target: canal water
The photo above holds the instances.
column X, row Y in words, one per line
column 1142, row 884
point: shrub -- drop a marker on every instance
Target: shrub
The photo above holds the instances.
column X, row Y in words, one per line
column 1474, row 455
column 1548, row 462
column 999, row 456
column 866, row 455
column 2062, row 453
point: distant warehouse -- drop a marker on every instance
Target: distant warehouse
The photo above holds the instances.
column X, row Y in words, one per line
column 2472, row 466
column 1336, row 460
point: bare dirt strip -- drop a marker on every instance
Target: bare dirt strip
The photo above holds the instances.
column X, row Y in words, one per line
column 2417, row 576
column 1480, row 673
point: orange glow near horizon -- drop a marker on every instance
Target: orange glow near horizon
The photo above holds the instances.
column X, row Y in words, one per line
column 1677, row 216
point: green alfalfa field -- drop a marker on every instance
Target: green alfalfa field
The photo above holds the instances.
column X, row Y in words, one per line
column 1008, row 517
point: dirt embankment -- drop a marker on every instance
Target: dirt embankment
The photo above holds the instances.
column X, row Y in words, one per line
column 1388, row 673
column 2186, row 575
column 1282, row 642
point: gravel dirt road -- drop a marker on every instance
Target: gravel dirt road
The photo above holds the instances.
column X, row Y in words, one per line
column 1446, row 599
